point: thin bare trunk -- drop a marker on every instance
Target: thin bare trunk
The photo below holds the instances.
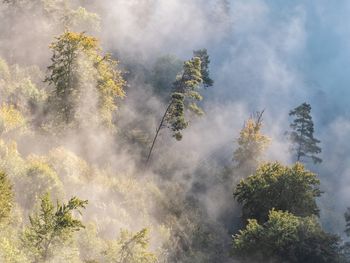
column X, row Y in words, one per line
column 157, row 133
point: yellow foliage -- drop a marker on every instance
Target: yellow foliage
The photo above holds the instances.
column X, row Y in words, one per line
column 76, row 40
column 251, row 145
column 11, row 119
column 39, row 179
column 10, row 251
column 69, row 78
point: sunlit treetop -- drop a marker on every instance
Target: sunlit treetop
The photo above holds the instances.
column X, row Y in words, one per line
column 78, row 68
column 71, row 40
column 273, row 185
column 251, row 145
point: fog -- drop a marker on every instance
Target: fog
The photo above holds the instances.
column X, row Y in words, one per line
column 265, row 55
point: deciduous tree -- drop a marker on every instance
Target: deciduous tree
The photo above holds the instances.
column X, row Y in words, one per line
column 286, row 238
column 293, row 189
column 251, row 145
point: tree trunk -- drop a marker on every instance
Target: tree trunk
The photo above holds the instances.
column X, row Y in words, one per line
column 157, row 133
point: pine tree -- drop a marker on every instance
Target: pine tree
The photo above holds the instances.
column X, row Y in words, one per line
column 66, row 77
column 184, row 97
column 205, row 61
column 51, row 226
column 302, row 135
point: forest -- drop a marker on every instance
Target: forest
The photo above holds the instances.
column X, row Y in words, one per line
column 172, row 131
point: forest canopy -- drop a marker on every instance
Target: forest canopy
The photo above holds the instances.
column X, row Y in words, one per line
column 161, row 131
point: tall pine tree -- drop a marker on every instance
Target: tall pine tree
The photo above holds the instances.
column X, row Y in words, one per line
column 185, row 94
column 302, row 135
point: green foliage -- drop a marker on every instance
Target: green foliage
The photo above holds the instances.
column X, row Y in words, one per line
column 63, row 72
column 51, row 226
column 77, row 64
column 302, row 134
column 251, row 145
column 184, row 96
column 6, row 197
column 205, row 61
column 286, row 238
column 273, row 185
column 131, row 248
column 176, row 115
column 189, row 81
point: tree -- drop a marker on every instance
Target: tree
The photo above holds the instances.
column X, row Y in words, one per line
column 251, row 145
column 6, row 197
column 185, row 95
column 38, row 179
column 131, row 248
column 286, row 238
column 205, row 61
column 76, row 64
column 273, row 185
column 51, row 226
column 18, row 87
column 302, row 135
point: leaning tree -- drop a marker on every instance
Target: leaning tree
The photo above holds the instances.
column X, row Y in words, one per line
column 185, row 95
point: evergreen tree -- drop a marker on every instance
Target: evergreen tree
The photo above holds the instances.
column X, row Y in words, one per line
column 185, row 96
column 302, row 135
column 251, row 145
column 68, row 77
column 205, row 61
column 51, row 226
